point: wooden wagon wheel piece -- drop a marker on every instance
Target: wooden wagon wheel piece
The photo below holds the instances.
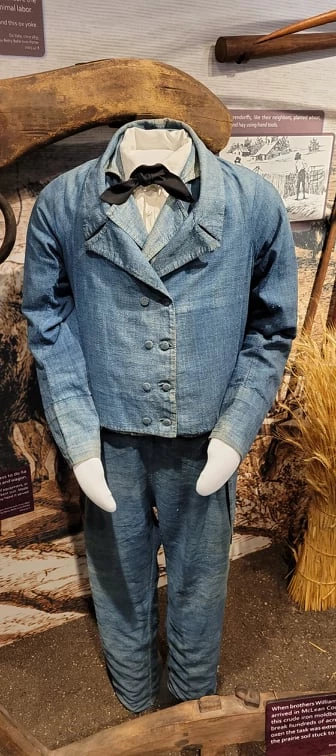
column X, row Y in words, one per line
column 10, row 229
column 41, row 108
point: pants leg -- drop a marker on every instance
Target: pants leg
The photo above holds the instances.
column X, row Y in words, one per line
column 196, row 534
column 122, row 562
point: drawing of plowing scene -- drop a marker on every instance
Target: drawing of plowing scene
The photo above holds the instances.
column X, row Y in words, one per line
column 43, row 577
column 298, row 167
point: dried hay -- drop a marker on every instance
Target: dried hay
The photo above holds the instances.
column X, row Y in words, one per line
column 312, row 407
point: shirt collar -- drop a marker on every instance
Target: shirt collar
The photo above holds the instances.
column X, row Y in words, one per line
column 181, row 161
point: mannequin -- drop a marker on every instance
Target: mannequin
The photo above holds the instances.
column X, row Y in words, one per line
column 170, row 149
column 160, row 325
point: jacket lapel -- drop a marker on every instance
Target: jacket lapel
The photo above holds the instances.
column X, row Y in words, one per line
column 115, row 232
column 191, row 242
column 190, row 236
column 128, row 218
column 168, row 224
column 125, row 253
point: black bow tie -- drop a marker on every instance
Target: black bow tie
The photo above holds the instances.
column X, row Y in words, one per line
column 145, row 175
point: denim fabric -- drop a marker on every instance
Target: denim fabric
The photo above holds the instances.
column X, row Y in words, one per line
column 176, row 333
column 121, row 553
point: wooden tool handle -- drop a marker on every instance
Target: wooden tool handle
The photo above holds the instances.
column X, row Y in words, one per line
column 280, row 41
column 231, row 49
column 321, row 272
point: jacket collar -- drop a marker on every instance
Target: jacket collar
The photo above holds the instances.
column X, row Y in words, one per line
column 204, row 223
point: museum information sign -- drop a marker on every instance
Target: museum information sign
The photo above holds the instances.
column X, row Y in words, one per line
column 291, row 151
column 16, row 492
column 21, row 28
column 301, row 726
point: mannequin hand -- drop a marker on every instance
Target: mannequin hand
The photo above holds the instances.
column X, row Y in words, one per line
column 91, row 479
column 222, row 463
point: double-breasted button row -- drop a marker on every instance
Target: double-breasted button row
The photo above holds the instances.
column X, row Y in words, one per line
column 164, row 386
column 164, row 420
column 145, row 301
column 163, row 345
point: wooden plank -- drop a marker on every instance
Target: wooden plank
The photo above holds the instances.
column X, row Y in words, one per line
column 15, row 741
column 215, row 721
column 211, row 723
column 42, row 108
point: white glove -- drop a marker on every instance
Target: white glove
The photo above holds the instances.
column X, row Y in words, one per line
column 91, row 479
column 222, row 463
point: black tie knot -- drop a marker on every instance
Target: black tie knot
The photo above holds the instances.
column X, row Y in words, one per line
column 150, row 174
column 145, row 175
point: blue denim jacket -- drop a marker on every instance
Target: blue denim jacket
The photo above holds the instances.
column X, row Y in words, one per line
column 180, row 332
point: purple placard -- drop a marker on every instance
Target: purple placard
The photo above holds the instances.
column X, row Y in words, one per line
column 21, row 28
column 274, row 122
column 16, row 492
column 301, row 726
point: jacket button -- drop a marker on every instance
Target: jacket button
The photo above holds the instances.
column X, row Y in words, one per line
column 165, row 386
column 166, row 421
column 144, row 301
column 146, row 420
column 146, row 386
column 164, row 345
column 149, row 344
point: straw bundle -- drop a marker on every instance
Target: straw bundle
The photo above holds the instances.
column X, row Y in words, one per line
column 313, row 409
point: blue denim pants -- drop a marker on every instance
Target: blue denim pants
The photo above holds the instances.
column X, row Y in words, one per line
column 147, row 472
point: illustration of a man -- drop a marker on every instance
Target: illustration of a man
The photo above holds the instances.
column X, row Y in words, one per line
column 300, row 168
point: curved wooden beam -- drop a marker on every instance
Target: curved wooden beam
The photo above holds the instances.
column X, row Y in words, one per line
column 10, row 229
column 42, row 108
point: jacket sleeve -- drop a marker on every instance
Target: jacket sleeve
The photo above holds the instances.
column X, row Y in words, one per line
column 270, row 327
column 54, row 338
